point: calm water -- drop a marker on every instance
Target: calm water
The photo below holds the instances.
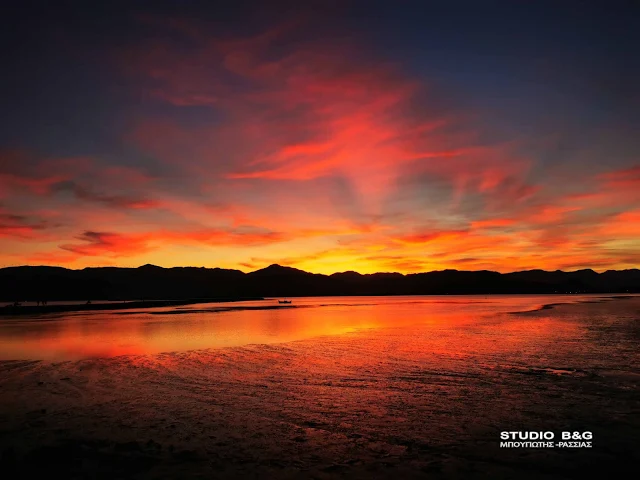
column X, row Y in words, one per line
column 77, row 335
column 367, row 387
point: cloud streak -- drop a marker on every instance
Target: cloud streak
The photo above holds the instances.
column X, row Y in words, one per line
column 274, row 146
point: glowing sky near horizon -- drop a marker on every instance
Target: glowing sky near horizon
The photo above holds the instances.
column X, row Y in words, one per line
column 404, row 141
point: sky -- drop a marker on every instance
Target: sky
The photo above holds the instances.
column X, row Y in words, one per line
column 326, row 136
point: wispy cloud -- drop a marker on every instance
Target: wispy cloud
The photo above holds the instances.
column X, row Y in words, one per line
column 277, row 147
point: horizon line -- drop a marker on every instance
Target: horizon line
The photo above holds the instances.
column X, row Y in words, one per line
column 325, row 274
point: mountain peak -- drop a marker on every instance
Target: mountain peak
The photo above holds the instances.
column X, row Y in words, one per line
column 586, row 271
column 275, row 269
column 348, row 273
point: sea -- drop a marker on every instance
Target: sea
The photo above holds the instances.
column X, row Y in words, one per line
column 327, row 387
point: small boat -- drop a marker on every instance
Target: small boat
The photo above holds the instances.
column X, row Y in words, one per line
column 284, row 301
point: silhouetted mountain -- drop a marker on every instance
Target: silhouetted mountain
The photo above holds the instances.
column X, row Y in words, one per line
column 276, row 280
column 153, row 282
column 277, row 270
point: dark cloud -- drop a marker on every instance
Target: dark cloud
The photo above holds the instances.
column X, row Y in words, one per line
column 22, row 226
column 114, row 201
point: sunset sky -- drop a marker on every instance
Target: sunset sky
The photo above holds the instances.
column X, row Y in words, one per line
column 369, row 136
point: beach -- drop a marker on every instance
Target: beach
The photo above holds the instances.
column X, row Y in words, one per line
column 426, row 398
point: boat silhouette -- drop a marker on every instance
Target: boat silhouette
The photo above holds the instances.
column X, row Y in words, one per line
column 284, row 301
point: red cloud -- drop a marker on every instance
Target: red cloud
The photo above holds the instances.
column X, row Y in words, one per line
column 112, row 244
column 426, row 237
column 626, row 178
column 493, row 223
column 346, row 153
column 21, row 226
column 313, row 112
column 86, row 179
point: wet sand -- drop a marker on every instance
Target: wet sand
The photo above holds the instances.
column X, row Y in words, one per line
column 416, row 401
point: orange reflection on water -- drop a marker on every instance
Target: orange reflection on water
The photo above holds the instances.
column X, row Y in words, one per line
column 113, row 333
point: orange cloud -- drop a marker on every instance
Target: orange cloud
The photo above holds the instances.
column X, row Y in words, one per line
column 112, row 244
column 551, row 214
column 623, row 225
column 115, row 244
column 310, row 154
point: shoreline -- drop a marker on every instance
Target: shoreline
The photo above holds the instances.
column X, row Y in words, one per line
column 11, row 310
column 26, row 310
column 549, row 306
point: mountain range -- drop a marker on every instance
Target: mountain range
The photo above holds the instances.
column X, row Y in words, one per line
column 150, row 282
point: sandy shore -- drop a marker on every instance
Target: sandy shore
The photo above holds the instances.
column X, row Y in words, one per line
column 392, row 403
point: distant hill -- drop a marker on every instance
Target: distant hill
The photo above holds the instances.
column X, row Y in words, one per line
column 150, row 282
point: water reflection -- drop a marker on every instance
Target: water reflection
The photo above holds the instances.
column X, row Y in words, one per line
column 111, row 333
